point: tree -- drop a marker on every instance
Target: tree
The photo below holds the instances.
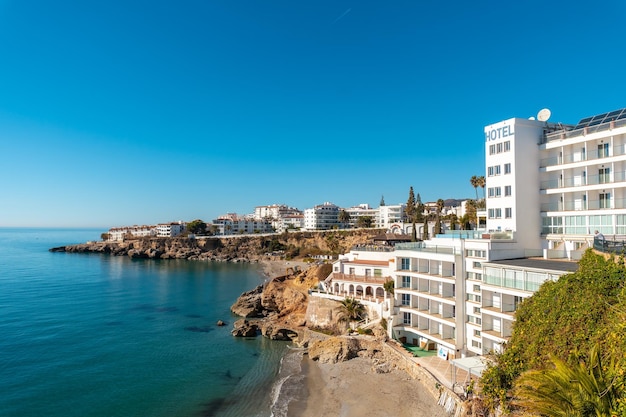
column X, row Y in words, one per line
column 586, row 388
column 474, row 182
column 453, row 220
column 419, row 208
column 105, row 236
column 470, row 210
column 365, row 221
column 197, row 227
column 388, row 286
column 410, row 212
column 440, row 206
column 480, row 181
column 344, row 217
column 382, row 200
column 425, row 233
column 352, row 309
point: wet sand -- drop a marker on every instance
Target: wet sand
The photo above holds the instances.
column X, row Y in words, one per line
column 354, row 389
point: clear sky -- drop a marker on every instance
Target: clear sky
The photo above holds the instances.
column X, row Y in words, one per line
column 137, row 112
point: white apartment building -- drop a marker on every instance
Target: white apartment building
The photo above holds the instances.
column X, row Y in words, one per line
column 233, row 224
column 170, row 229
column 321, row 217
column 293, row 221
column 391, row 217
column 120, row 233
column 362, row 210
column 275, row 211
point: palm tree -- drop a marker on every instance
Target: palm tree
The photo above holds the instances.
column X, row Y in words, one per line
column 474, row 182
column 440, row 206
column 481, row 183
column 470, row 210
column 584, row 389
column 351, row 309
column 344, row 217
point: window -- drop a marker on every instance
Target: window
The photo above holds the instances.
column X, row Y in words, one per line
column 507, row 190
column 476, row 333
column 378, row 272
column 476, row 264
column 497, row 170
column 603, row 150
column 498, row 147
column 604, row 175
column 476, row 344
column 405, row 264
column 406, row 282
column 476, row 288
column 507, row 146
column 492, row 149
column 406, row 318
column 507, row 168
column 490, row 172
column 508, row 212
column 605, row 200
column 406, row 299
column 497, row 213
column 494, row 191
column 498, row 191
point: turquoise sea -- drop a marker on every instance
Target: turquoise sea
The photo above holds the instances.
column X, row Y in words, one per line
column 96, row 335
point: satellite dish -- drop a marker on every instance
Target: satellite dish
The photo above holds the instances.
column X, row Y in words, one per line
column 543, row 115
column 531, row 118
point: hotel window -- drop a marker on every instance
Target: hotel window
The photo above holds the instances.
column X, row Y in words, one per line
column 476, row 310
column 498, row 191
column 507, row 168
column 405, row 264
column 406, row 282
column 490, row 213
column 498, row 213
column 497, row 170
column 507, row 190
column 490, row 171
column 406, row 318
column 476, row 288
column 604, row 175
column 603, row 150
column 406, row 299
column 476, row 344
column 492, row 149
column 507, row 146
column 476, row 333
column 508, row 212
column 498, row 147
column 605, row 200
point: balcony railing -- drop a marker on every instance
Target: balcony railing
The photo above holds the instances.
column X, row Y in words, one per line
column 582, row 181
column 568, row 134
column 360, row 278
column 580, row 205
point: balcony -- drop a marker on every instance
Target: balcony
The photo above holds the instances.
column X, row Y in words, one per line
column 582, row 181
column 582, row 205
column 338, row 276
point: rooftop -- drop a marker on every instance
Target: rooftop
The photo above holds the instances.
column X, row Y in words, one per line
column 537, row 263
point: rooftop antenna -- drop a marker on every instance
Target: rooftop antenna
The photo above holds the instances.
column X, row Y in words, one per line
column 544, row 115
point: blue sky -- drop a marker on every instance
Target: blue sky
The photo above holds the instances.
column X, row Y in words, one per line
column 138, row 112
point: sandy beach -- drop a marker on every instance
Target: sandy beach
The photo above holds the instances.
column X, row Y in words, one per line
column 354, row 389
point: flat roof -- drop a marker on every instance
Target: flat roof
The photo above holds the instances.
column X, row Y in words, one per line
column 538, row 263
column 366, row 262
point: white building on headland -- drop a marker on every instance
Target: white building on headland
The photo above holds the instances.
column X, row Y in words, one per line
column 281, row 216
column 121, row 233
column 357, row 212
column 172, row 229
column 233, row 224
column 322, row 217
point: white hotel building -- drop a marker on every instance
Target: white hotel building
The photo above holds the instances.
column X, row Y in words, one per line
column 548, row 188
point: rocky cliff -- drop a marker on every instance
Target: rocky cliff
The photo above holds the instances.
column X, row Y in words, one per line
column 296, row 245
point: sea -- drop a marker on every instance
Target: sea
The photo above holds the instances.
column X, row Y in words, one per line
column 99, row 335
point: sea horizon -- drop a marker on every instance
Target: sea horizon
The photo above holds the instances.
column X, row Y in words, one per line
column 99, row 335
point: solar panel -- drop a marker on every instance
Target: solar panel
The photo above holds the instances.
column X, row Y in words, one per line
column 601, row 118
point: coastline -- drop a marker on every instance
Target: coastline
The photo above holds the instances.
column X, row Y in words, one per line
column 353, row 389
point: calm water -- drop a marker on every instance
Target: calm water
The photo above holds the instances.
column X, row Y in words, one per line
column 92, row 335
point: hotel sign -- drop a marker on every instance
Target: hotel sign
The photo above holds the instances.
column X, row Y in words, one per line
column 498, row 132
